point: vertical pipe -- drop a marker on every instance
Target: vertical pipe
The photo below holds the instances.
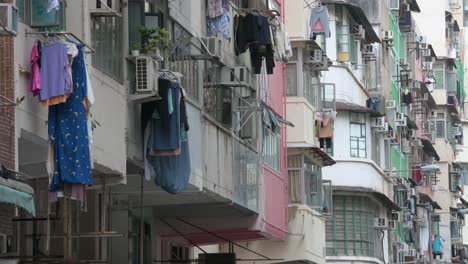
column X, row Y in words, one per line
column 142, row 226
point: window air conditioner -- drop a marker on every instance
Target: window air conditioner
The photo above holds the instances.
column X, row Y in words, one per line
column 427, row 65
column 391, row 135
column 214, row 48
column 425, row 96
column 396, row 216
column 457, row 130
column 146, row 74
column 400, row 119
column 390, row 104
column 380, row 222
column 314, row 57
column 9, row 19
column 369, row 50
column 361, row 32
column 392, row 224
column 394, row 5
column 388, row 36
column 378, row 122
column 236, row 77
column 105, row 8
column 416, row 84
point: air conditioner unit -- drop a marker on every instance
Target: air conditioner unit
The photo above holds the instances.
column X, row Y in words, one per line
column 412, row 252
column 214, row 48
column 403, row 63
column 380, row 222
column 236, row 77
column 413, row 134
column 425, row 96
column 390, row 135
column 425, row 52
column 146, row 73
column 369, row 50
column 378, row 122
column 382, row 129
column 9, row 19
column 400, row 119
column 394, row 5
column 436, row 218
column 392, row 224
column 361, row 32
column 396, row 216
column 422, row 39
column 406, row 147
column 105, row 8
column 427, row 65
column 416, row 84
column 456, row 130
column 390, row 104
column 412, row 191
column 388, row 36
column 315, row 57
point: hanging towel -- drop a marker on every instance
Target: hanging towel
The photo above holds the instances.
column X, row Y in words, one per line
column 55, row 80
column 319, row 21
column 53, row 4
column 35, row 77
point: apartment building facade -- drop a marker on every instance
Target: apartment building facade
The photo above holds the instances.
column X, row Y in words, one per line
column 237, row 186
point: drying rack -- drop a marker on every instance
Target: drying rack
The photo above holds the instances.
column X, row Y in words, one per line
column 60, row 33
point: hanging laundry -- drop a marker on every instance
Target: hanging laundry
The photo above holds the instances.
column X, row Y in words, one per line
column 68, row 133
column 35, row 78
column 373, row 103
column 280, row 40
column 217, row 21
column 55, row 79
column 417, row 174
column 243, row 33
column 319, row 21
column 166, row 149
column 262, row 48
column 214, row 8
column 53, row 4
column 407, row 97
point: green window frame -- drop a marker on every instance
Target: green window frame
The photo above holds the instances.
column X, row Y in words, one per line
column 436, row 228
column 439, row 75
column 357, row 133
column 351, row 231
column 106, row 33
column 313, row 184
column 271, row 147
column 454, row 228
column 343, row 34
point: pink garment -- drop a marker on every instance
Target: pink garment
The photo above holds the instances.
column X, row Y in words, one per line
column 35, row 77
column 318, row 26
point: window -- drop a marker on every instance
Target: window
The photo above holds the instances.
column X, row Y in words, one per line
column 454, row 228
column 21, row 9
column 376, row 148
column 313, row 184
column 180, row 254
column 343, row 36
column 107, row 40
column 440, row 125
column 465, row 13
column 400, row 196
column 454, row 178
column 351, row 231
column 312, row 88
column 291, row 79
column 439, row 75
column 357, row 131
column 353, row 44
column 436, row 228
column 271, row 141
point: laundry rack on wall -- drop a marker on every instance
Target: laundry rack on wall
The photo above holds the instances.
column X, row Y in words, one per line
column 70, row 35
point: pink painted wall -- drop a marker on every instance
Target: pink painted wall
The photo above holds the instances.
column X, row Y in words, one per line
column 274, row 220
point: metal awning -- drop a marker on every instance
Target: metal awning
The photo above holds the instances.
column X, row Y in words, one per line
column 414, row 6
column 430, row 102
column 345, row 106
column 410, row 123
column 377, row 195
column 424, row 198
column 464, row 202
column 359, row 16
column 17, row 193
column 302, row 261
column 319, row 154
column 429, row 149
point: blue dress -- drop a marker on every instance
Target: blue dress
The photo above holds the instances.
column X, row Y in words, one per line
column 68, row 133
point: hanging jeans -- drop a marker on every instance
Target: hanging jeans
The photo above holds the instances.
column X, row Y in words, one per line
column 374, row 104
column 257, row 53
column 320, row 17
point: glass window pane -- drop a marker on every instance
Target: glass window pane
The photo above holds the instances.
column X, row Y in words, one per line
column 291, row 79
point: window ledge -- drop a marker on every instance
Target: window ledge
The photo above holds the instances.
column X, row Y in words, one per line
column 354, row 258
column 366, row 161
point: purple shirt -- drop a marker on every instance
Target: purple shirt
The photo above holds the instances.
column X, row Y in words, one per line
column 55, row 80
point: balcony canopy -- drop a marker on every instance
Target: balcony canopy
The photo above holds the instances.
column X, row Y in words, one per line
column 359, row 16
column 18, row 194
column 429, row 149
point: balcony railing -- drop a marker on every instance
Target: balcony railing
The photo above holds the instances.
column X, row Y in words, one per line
column 245, row 172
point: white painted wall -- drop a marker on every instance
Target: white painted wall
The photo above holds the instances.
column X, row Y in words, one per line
column 348, row 88
column 305, row 240
column 301, row 114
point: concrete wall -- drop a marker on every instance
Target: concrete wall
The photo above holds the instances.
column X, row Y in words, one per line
column 305, row 239
column 301, row 114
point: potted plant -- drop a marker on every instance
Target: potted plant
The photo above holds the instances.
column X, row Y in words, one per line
column 136, row 46
column 155, row 41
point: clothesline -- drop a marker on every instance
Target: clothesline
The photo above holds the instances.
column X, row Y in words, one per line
column 70, row 34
